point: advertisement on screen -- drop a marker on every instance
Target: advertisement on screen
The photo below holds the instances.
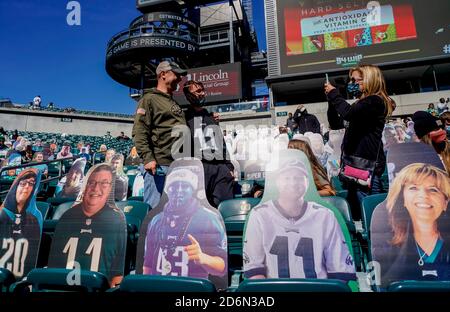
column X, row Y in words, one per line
column 323, row 35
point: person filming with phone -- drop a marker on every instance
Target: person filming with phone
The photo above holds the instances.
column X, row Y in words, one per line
column 363, row 160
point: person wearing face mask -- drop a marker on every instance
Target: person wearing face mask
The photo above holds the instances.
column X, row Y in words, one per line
column 156, row 115
column 218, row 170
column 429, row 131
column 365, row 123
column 305, row 121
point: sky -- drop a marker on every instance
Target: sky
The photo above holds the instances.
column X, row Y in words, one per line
column 40, row 54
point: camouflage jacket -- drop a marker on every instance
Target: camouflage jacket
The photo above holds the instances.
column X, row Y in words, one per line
column 156, row 115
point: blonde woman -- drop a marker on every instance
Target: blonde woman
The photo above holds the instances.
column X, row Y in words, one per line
column 410, row 236
column 366, row 119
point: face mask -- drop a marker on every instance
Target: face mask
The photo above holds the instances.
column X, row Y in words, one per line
column 353, row 89
column 195, row 100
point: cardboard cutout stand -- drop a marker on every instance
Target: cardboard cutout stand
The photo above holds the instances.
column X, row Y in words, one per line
column 21, row 224
column 184, row 235
column 293, row 233
column 92, row 234
column 410, row 230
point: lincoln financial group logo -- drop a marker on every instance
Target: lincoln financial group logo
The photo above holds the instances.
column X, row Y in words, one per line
column 218, row 78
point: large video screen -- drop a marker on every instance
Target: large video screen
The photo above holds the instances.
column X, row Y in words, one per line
column 321, row 35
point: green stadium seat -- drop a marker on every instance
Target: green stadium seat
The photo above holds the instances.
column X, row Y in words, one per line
column 368, row 205
column 337, row 184
column 155, row 283
column 234, row 212
column 6, row 279
column 343, row 194
column 136, row 198
column 53, row 279
column 43, row 207
column 342, row 205
column 49, row 225
column 419, row 286
column 293, row 285
column 135, row 212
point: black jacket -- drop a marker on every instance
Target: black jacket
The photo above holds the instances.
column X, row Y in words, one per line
column 306, row 122
column 366, row 123
column 205, row 119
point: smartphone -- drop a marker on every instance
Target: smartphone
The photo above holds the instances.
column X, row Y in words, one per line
column 326, row 77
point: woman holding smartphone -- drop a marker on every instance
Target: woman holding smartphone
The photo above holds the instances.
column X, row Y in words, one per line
column 365, row 119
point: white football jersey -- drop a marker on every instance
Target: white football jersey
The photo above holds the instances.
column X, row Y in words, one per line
column 312, row 246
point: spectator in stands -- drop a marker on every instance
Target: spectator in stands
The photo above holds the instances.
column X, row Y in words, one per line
column 133, row 159
column 290, row 122
column 53, row 148
column 84, row 153
column 100, row 155
column 65, row 152
column 305, row 121
column 37, row 158
column 429, row 130
column 2, row 144
column 416, row 238
column 37, row 146
column 121, row 181
column 122, row 137
column 441, row 107
column 37, row 102
column 3, row 132
column 212, row 151
column 445, row 119
column 3, row 149
column 71, row 184
column 157, row 114
column 366, row 119
column 50, row 105
column 320, row 177
column 109, row 155
column 15, row 135
column 431, row 110
column 108, row 135
column 27, row 155
column 47, row 152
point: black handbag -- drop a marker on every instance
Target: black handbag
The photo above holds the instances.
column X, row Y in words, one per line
column 356, row 169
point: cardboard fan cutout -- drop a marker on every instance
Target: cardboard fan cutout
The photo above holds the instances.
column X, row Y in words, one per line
column 21, row 224
column 184, row 235
column 121, row 183
column 292, row 233
column 71, row 183
column 410, row 230
column 92, row 234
